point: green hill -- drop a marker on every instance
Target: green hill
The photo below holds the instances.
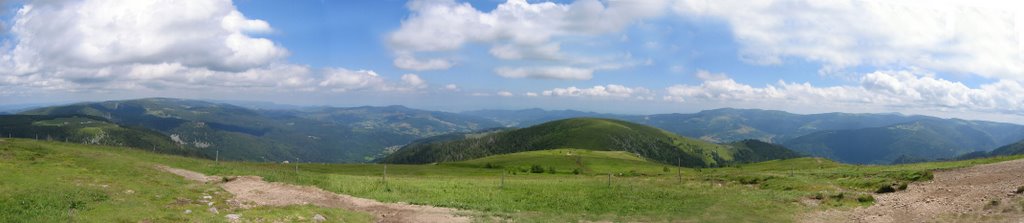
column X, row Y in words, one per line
column 323, row 134
column 752, row 150
column 88, row 130
column 1016, row 148
column 581, row 133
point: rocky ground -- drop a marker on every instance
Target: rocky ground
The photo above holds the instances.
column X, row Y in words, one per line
column 984, row 193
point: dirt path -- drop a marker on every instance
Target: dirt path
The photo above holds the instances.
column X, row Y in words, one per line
column 983, row 193
column 253, row 191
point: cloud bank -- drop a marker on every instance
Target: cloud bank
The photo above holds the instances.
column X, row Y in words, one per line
column 105, row 45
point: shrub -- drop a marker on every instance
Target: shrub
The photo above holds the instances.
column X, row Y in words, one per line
column 633, row 173
column 488, row 166
column 664, row 169
column 551, row 170
column 885, row 189
column 753, row 179
column 1020, row 189
column 903, row 186
column 838, row 196
column 576, row 171
column 920, row 175
column 992, row 204
column 536, row 169
column 865, row 198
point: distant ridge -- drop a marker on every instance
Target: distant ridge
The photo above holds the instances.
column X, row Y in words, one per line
column 320, row 134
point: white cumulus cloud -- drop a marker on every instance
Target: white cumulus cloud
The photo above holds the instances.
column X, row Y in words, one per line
column 414, row 81
column 516, row 29
column 408, row 62
column 880, row 89
column 609, row 91
column 451, row 87
column 550, row 72
column 982, row 37
column 110, row 45
column 90, row 33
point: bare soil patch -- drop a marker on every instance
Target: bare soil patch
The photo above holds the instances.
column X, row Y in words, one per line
column 253, row 191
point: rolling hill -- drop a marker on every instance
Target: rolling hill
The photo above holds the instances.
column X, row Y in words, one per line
column 587, row 134
column 927, row 139
column 313, row 135
column 1016, row 148
column 88, row 130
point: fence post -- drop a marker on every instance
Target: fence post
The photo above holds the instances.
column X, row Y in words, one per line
column 609, row 179
column 502, row 186
column 679, row 168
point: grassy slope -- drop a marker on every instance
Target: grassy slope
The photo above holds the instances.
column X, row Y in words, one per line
column 566, row 160
column 761, row 192
column 43, row 182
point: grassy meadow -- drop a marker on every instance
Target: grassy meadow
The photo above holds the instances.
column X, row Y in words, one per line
column 47, row 181
column 58, row 182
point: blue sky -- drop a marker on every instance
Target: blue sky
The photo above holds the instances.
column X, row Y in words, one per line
column 945, row 58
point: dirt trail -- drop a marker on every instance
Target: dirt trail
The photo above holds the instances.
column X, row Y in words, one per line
column 983, row 193
column 253, row 191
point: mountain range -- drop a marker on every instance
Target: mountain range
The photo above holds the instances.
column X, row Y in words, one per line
column 272, row 132
column 845, row 137
column 310, row 135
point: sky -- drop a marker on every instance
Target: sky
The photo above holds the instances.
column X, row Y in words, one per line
column 962, row 59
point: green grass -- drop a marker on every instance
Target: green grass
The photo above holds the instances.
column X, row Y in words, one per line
column 566, row 160
column 762, row 192
column 57, row 182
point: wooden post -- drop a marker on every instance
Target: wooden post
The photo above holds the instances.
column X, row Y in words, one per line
column 216, row 156
column 680, row 175
column 384, row 177
column 680, row 169
column 609, row 179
